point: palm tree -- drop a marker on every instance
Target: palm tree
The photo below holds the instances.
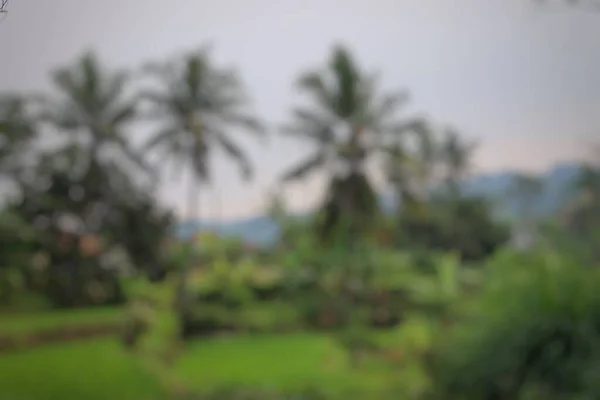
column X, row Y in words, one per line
column 348, row 122
column 17, row 132
column 411, row 172
column 93, row 108
column 456, row 156
column 198, row 106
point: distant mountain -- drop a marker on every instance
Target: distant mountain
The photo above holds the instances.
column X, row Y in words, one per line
column 260, row 230
column 558, row 184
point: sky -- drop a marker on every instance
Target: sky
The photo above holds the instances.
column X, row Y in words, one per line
column 520, row 78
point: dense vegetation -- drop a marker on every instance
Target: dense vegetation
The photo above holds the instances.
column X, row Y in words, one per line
column 433, row 300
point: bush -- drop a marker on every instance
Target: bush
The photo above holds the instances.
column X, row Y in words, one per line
column 238, row 296
column 463, row 225
column 537, row 332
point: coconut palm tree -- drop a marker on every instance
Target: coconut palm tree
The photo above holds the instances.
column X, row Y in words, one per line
column 92, row 107
column 199, row 106
column 348, row 121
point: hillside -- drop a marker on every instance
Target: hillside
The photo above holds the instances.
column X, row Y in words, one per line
column 557, row 182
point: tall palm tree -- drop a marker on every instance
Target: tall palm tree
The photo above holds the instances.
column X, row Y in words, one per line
column 92, row 106
column 199, row 106
column 348, row 122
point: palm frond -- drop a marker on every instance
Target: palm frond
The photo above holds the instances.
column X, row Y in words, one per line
column 309, row 124
column 389, row 104
column 305, row 167
column 247, row 122
column 126, row 113
column 114, row 88
column 161, row 137
column 348, row 81
column 314, row 84
column 233, row 150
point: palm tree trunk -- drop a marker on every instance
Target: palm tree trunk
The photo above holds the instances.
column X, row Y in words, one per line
column 193, row 215
column 193, row 199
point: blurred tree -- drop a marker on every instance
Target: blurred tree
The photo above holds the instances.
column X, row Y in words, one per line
column 411, row 173
column 198, row 105
column 581, row 216
column 16, row 245
column 93, row 108
column 534, row 336
column 526, row 189
column 82, row 220
column 456, row 155
column 347, row 122
column 463, row 225
column 17, row 132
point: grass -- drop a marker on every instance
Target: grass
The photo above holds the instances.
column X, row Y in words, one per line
column 90, row 370
column 31, row 322
column 288, row 361
column 100, row 369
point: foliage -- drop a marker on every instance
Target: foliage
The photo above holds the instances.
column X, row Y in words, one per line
column 17, row 132
column 79, row 221
column 238, row 296
column 154, row 330
column 93, row 108
column 536, row 332
column 464, row 225
column 16, row 245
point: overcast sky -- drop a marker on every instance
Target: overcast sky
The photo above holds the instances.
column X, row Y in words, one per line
column 524, row 80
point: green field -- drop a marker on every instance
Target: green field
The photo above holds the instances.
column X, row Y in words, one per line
column 90, row 370
column 101, row 369
column 284, row 361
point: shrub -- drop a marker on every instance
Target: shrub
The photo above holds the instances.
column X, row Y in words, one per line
column 537, row 331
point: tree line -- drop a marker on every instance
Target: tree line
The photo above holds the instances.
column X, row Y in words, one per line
column 92, row 191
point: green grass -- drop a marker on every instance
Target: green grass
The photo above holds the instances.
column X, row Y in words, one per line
column 25, row 323
column 287, row 361
column 90, row 370
column 100, row 369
